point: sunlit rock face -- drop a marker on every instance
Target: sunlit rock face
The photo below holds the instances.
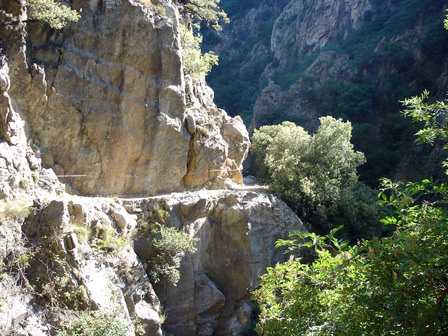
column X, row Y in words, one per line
column 237, row 230
column 105, row 101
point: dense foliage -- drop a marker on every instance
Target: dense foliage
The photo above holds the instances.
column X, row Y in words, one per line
column 370, row 100
column 97, row 323
column 316, row 175
column 52, row 13
column 170, row 245
column 308, row 170
column 207, row 11
column 395, row 285
column 195, row 63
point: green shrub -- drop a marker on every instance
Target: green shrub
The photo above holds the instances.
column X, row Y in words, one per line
column 316, row 176
column 52, row 280
column 195, row 63
column 81, row 233
column 110, row 241
column 96, row 323
column 23, row 183
column 18, row 208
column 391, row 286
column 306, row 170
column 52, row 13
column 207, row 11
column 170, row 245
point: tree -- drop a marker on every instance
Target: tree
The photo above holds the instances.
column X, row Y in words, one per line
column 48, row 11
column 396, row 285
column 308, row 171
column 393, row 286
column 207, row 11
column 195, row 63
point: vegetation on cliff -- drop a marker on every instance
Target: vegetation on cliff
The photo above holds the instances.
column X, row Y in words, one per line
column 53, row 13
column 196, row 63
column 384, row 286
column 396, row 52
column 206, row 11
column 316, row 175
column 308, row 170
column 392, row 285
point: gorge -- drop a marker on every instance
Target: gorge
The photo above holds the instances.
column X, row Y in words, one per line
column 102, row 145
column 123, row 206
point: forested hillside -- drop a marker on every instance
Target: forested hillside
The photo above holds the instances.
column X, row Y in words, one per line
column 300, row 60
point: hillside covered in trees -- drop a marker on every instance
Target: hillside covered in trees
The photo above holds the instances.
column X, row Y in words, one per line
column 123, row 208
column 300, row 60
column 320, row 83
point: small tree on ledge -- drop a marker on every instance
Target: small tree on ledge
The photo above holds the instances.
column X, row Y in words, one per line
column 206, row 11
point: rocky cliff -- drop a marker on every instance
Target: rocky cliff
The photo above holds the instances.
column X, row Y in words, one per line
column 306, row 26
column 102, row 108
column 105, row 100
column 93, row 253
column 237, row 231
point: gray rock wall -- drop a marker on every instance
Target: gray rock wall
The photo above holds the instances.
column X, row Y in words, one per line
column 105, row 99
column 237, row 231
column 306, row 26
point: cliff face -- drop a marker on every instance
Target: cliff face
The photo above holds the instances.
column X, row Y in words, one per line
column 93, row 254
column 306, row 26
column 105, row 100
column 237, row 231
column 102, row 108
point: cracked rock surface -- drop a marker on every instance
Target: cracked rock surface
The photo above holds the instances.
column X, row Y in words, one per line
column 105, row 103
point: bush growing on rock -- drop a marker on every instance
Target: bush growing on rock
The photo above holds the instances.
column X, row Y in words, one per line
column 308, row 170
column 170, row 245
column 207, row 11
column 51, row 12
column 196, row 64
column 396, row 285
column 96, row 323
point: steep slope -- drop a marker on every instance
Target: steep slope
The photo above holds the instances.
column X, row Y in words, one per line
column 353, row 60
column 100, row 108
column 237, row 231
column 78, row 253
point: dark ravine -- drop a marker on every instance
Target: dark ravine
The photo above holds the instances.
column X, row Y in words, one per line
column 354, row 60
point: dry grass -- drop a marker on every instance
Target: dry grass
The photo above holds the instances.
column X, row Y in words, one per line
column 15, row 209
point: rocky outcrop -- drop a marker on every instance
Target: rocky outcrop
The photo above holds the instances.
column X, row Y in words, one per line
column 294, row 104
column 237, row 231
column 307, row 26
column 304, row 27
column 218, row 144
column 84, row 254
column 104, row 107
column 105, row 102
column 78, row 255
